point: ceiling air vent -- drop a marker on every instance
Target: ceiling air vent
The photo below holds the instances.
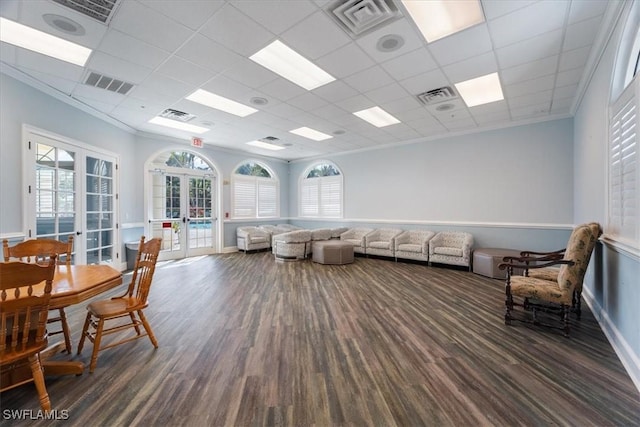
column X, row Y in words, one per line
column 180, row 116
column 358, row 17
column 436, row 96
column 108, row 83
column 100, row 10
column 270, row 139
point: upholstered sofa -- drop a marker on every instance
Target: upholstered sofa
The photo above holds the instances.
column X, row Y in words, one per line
column 292, row 245
column 413, row 244
column 355, row 236
column 250, row 238
column 381, row 241
column 320, row 234
column 451, row 247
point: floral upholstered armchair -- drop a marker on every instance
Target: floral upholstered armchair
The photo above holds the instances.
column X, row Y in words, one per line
column 550, row 295
column 381, row 241
column 355, row 236
column 451, row 247
column 413, row 244
column 251, row 238
column 292, row 245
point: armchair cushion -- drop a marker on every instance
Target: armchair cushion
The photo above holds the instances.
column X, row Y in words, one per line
column 451, row 247
column 413, row 244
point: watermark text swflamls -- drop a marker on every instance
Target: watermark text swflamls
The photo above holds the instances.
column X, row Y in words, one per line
column 31, row 414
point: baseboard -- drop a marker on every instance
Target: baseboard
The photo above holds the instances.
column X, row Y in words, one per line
column 630, row 360
column 229, row 249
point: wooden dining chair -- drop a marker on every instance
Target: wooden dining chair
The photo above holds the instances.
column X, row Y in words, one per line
column 127, row 307
column 23, row 319
column 37, row 251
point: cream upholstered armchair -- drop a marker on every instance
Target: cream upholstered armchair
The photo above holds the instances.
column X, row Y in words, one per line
column 292, row 245
column 554, row 296
column 250, row 238
column 355, row 236
column 381, row 241
column 413, row 244
column 451, row 247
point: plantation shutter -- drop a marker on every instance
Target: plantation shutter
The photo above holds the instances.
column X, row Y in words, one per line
column 624, row 173
column 244, row 196
column 267, row 198
column 331, row 196
column 309, row 191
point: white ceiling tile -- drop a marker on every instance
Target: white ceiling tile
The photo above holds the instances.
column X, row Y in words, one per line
column 565, row 92
column 250, row 73
column 471, row 68
column 329, row 112
column 490, row 108
column 575, row 58
column 528, row 50
column 98, row 97
column 562, row 105
column 372, row 78
column 54, row 67
column 345, row 61
column 190, row 13
column 489, row 118
column 581, row 10
column 315, row 36
column 114, row 67
column 387, row 93
column 538, row 98
column 529, row 86
column 224, row 86
column 184, row 71
column 218, row 57
column 415, row 62
column 167, row 86
column 335, row 91
column 307, row 101
column 496, row 8
column 530, row 70
column 471, row 42
column 426, row 81
column 165, row 33
column 276, row 15
column 355, row 103
column 533, row 20
column 117, row 43
column 237, row 31
column 569, row 77
column 282, row 89
column 62, row 85
column 530, row 111
column 581, row 34
column 406, row 103
column 401, row 28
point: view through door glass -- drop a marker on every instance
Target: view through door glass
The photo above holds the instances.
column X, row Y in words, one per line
column 100, row 215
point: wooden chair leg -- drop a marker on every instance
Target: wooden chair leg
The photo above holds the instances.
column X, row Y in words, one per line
column 85, row 328
column 96, row 346
column 147, row 328
column 565, row 319
column 577, row 303
column 38, row 379
column 133, row 321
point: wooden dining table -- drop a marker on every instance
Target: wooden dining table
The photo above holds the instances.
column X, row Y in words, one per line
column 72, row 284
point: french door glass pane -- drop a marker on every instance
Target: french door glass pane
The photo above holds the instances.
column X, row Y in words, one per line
column 99, row 210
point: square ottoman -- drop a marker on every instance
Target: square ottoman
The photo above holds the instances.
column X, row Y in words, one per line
column 486, row 261
column 334, row 252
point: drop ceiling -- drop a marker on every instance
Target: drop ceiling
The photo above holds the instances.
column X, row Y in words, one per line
column 543, row 51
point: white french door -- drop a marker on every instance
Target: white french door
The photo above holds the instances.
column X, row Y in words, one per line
column 72, row 191
column 183, row 213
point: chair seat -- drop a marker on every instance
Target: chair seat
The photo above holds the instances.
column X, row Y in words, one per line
column 115, row 307
column 21, row 351
column 409, row 247
column 446, row 250
column 529, row 287
column 546, row 273
column 258, row 239
column 380, row 245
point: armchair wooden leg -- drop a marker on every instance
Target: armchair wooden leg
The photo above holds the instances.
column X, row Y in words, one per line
column 576, row 303
column 565, row 319
column 508, row 302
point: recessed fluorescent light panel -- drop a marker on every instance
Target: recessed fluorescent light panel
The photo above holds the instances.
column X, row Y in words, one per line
column 37, row 41
column 377, row 117
column 286, row 62
column 177, row 125
column 265, row 145
column 311, row 133
column 220, row 103
column 440, row 18
column 481, row 90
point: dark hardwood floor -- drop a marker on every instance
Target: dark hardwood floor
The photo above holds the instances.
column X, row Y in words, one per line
column 245, row 340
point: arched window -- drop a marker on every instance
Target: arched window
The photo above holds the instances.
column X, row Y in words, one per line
column 321, row 191
column 255, row 192
column 623, row 204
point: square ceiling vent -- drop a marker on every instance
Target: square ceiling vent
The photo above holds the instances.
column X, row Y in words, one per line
column 436, row 96
column 358, row 17
column 180, row 116
column 100, row 10
column 108, row 83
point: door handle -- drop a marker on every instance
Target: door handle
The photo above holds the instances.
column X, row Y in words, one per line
column 78, row 233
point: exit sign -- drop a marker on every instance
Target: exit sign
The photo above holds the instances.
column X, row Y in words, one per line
column 196, row 142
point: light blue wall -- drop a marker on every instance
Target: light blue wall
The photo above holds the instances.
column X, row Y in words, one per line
column 612, row 284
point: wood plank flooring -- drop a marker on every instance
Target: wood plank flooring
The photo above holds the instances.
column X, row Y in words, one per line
column 246, row 341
